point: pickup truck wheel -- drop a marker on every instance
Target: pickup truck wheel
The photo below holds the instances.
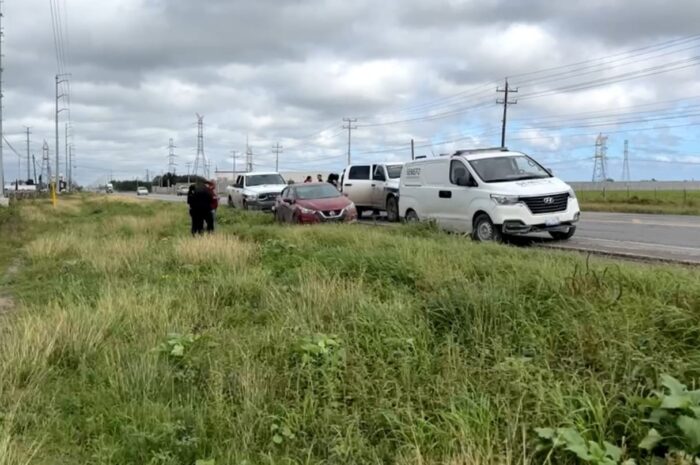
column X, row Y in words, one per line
column 563, row 236
column 360, row 211
column 485, row 230
column 412, row 217
column 392, row 209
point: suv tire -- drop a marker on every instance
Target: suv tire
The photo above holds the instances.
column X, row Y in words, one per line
column 412, row 216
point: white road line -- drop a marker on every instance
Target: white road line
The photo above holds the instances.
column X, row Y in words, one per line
column 644, row 244
column 642, row 223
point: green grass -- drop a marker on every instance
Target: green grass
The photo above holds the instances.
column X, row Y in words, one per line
column 132, row 343
column 662, row 202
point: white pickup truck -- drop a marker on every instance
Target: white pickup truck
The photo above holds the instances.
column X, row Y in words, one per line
column 255, row 191
column 373, row 187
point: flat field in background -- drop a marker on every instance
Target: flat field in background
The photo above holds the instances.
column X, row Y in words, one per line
column 129, row 342
column 676, row 202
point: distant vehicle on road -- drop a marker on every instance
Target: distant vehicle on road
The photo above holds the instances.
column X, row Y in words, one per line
column 488, row 193
column 183, row 190
column 109, row 188
column 141, row 190
column 314, row 203
column 255, row 191
column 373, row 187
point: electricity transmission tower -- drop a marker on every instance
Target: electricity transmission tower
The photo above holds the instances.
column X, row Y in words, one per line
column 626, row 164
column 45, row 163
column 233, row 156
column 171, row 157
column 2, row 135
column 600, row 166
column 248, row 156
column 201, row 159
column 350, row 127
column 505, row 102
column 277, row 149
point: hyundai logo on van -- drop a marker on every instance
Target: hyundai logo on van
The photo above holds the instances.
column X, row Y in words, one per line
column 548, row 200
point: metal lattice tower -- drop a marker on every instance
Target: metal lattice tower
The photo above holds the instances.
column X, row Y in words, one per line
column 248, row 157
column 171, row 157
column 45, row 163
column 626, row 164
column 600, row 169
column 201, row 159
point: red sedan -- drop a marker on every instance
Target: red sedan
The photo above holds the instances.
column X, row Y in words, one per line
column 314, row 203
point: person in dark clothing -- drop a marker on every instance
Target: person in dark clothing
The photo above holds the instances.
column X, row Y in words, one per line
column 199, row 198
column 308, row 180
column 211, row 218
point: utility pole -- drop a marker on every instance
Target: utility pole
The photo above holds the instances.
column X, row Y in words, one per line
column 66, row 175
column 189, row 165
column 2, row 134
column 277, row 149
column 233, row 156
column 626, row 164
column 600, row 159
column 413, row 150
column 28, row 155
column 59, row 81
column 70, row 165
column 505, row 102
column 34, row 164
column 350, row 128
column 147, row 176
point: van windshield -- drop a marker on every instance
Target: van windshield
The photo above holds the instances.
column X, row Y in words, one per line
column 394, row 171
column 507, row 168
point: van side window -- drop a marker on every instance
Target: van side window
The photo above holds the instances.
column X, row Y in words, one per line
column 359, row 172
column 378, row 173
column 459, row 174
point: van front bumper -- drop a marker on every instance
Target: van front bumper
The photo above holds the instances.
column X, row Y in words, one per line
column 517, row 219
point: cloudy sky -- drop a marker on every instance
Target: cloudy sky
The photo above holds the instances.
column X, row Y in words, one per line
column 288, row 71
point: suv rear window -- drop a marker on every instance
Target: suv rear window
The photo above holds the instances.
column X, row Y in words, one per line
column 359, row 172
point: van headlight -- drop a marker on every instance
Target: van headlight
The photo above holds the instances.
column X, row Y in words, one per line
column 505, row 199
column 251, row 196
column 572, row 194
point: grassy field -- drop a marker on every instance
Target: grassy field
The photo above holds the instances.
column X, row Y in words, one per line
column 664, row 202
column 132, row 343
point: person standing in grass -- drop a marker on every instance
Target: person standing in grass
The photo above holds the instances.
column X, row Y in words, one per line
column 211, row 219
column 199, row 198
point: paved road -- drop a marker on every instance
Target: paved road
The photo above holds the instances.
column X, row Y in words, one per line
column 660, row 237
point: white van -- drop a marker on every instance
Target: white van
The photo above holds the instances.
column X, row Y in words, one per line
column 488, row 192
column 373, row 187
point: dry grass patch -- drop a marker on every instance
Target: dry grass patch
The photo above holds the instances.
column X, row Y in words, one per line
column 218, row 249
column 54, row 246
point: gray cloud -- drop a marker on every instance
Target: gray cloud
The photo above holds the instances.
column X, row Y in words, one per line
column 285, row 69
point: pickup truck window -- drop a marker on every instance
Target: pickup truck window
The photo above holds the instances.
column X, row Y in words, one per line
column 394, row 171
column 359, row 172
column 378, row 173
column 239, row 182
column 262, row 179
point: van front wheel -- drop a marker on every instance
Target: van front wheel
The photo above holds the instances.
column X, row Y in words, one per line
column 485, row 230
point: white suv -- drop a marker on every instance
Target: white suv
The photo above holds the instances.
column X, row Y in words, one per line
column 373, row 187
column 488, row 192
column 255, row 191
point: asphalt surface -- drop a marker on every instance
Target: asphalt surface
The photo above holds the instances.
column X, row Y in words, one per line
column 671, row 238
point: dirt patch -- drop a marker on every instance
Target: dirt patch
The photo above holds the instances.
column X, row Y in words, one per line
column 7, row 304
